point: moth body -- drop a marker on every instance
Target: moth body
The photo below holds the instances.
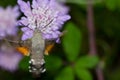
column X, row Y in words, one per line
column 37, row 53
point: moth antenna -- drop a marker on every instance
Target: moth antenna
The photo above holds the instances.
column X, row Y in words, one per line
column 62, row 34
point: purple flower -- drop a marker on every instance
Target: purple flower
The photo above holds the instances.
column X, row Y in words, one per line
column 47, row 16
column 9, row 58
column 8, row 19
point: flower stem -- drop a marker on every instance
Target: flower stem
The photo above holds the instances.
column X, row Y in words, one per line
column 91, row 32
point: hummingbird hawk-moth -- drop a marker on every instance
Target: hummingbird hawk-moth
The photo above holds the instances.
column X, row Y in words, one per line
column 35, row 47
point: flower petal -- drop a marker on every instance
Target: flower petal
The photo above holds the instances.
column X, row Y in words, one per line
column 23, row 21
column 64, row 18
column 34, row 4
column 25, row 7
column 24, row 29
column 27, row 35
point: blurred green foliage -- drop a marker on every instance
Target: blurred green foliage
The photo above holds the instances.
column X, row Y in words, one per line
column 112, row 4
column 70, row 60
column 72, row 41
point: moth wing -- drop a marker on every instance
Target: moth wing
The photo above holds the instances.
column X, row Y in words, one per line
column 23, row 50
column 48, row 48
column 50, row 44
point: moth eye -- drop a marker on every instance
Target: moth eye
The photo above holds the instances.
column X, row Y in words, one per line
column 23, row 50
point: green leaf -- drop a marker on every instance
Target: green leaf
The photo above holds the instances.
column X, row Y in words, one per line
column 111, row 4
column 72, row 41
column 83, row 74
column 66, row 74
column 84, row 2
column 87, row 62
column 24, row 64
column 8, row 2
column 118, row 4
column 53, row 63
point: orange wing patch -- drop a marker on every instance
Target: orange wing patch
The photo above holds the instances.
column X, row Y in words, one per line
column 48, row 48
column 23, row 50
column 26, row 52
